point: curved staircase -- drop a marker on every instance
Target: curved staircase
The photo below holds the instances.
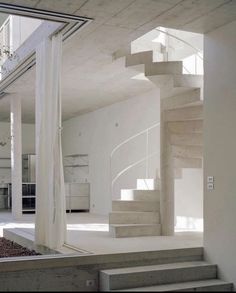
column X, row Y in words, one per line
column 150, row 211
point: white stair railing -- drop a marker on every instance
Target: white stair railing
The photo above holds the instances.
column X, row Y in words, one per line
column 197, row 56
column 145, row 158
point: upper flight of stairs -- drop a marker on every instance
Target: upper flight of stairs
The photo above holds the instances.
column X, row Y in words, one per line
column 175, row 273
column 182, row 121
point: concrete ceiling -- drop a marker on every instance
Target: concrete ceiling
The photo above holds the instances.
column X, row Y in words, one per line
column 91, row 78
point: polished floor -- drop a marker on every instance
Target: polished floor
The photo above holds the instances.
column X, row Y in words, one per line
column 89, row 233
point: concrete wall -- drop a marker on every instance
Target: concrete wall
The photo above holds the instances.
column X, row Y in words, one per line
column 28, row 146
column 21, row 29
column 78, row 273
column 220, row 147
column 98, row 132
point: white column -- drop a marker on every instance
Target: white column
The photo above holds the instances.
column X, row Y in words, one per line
column 16, row 157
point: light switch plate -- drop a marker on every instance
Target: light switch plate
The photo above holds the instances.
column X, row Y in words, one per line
column 210, row 179
column 210, row 186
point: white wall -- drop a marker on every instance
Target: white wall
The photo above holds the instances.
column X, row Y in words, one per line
column 28, row 146
column 220, row 149
column 189, row 201
column 98, row 132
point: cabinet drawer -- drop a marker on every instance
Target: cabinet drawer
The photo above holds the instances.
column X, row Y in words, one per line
column 79, row 188
column 77, row 203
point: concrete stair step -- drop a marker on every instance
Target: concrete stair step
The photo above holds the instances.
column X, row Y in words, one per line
column 194, row 286
column 187, row 151
column 185, row 98
column 189, row 80
column 162, row 68
column 178, row 173
column 138, row 194
column 169, row 91
column 148, row 184
column 177, row 80
column 193, row 139
column 134, row 230
column 144, row 45
column 121, row 52
column 142, row 276
column 180, row 162
column 135, row 205
column 138, row 58
column 134, row 218
column 192, row 126
column 184, row 114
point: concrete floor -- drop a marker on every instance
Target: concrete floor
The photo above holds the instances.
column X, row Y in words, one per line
column 89, row 233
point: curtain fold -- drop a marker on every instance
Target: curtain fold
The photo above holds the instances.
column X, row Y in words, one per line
column 50, row 223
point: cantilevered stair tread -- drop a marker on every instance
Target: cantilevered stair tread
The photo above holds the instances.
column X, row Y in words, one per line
column 212, row 284
column 170, row 266
column 133, row 217
column 153, row 275
column 135, row 230
column 135, row 205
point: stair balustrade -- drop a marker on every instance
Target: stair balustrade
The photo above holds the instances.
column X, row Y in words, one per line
column 145, row 158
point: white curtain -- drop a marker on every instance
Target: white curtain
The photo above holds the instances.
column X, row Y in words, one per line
column 50, row 224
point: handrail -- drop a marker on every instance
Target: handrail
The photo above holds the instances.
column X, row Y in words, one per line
column 133, row 165
column 132, row 137
column 146, row 158
column 183, row 41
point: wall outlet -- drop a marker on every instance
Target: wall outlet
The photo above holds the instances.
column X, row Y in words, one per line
column 90, row 283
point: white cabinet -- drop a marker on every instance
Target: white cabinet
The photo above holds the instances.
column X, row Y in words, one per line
column 77, row 196
column 76, row 168
column 77, row 187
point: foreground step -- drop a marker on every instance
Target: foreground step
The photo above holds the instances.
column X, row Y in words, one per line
column 135, row 205
column 206, row 285
column 134, row 218
column 135, row 230
column 138, row 194
column 143, row 276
